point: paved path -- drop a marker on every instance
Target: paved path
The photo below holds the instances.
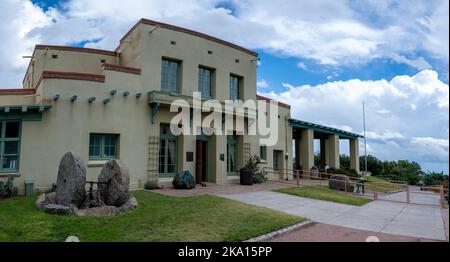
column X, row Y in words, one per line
column 318, row 232
column 416, row 197
column 378, row 216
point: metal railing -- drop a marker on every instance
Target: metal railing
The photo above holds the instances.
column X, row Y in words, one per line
column 375, row 189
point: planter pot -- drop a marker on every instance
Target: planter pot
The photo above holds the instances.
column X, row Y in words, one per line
column 246, row 177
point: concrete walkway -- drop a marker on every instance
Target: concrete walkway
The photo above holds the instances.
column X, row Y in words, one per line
column 378, row 216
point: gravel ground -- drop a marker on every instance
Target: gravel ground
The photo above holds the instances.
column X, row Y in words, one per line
column 317, row 232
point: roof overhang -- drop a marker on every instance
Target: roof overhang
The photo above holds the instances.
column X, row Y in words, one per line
column 23, row 112
column 295, row 123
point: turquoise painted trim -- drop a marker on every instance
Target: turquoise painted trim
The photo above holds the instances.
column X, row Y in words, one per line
column 323, row 129
column 2, row 146
column 102, row 146
column 153, row 111
column 232, row 140
column 168, row 137
column 23, row 112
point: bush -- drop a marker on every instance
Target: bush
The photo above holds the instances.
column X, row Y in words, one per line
column 151, row 185
column 7, row 189
column 252, row 165
column 259, row 177
column 353, row 173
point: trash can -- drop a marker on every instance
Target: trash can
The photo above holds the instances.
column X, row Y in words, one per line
column 29, row 187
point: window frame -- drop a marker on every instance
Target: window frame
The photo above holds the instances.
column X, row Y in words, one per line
column 3, row 139
column 239, row 86
column 178, row 76
column 167, row 137
column 211, row 84
column 263, row 152
column 232, row 140
column 102, row 156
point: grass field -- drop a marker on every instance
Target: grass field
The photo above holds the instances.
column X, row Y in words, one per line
column 382, row 185
column 324, row 193
column 158, row 218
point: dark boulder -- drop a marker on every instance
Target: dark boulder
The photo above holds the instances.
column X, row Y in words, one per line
column 341, row 183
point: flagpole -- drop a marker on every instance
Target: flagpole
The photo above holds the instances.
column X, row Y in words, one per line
column 365, row 141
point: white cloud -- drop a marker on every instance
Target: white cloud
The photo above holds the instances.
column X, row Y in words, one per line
column 262, row 83
column 328, row 32
column 395, row 130
column 302, row 66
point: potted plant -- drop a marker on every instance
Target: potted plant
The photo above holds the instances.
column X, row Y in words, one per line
column 248, row 172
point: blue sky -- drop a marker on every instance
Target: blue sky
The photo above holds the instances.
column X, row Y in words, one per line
column 322, row 57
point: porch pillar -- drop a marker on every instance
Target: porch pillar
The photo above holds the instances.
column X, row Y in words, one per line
column 323, row 152
column 307, row 149
column 334, row 151
column 354, row 154
column 297, row 153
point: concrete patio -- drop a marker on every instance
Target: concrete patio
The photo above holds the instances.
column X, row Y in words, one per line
column 378, row 216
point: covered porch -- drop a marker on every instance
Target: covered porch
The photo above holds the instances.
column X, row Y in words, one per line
column 303, row 135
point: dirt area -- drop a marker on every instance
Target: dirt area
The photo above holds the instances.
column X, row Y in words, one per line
column 214, row 189
column 318, row 232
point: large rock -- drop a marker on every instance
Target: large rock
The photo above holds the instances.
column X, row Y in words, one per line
column 71, row 181
column 341, row 183
column 114, row 182
column 45, row 199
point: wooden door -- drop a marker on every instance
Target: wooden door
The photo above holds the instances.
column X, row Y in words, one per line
column 199, row 161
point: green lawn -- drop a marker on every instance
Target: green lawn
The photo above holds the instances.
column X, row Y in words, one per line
column 324, row 193
column 158, row 218
column 382, row 185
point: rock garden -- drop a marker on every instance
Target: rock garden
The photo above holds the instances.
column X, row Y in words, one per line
column 110, row 198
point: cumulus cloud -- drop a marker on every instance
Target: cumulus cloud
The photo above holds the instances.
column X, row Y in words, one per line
column 395, row 130
column 328, row 32
column 262, row 83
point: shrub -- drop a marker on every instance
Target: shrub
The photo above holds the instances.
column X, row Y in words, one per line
column 151, row 185
column 353, row 173
column 259, row 177
column 252, row 165
column 7, row 189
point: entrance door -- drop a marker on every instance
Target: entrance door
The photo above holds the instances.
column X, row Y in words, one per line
column 201, row 162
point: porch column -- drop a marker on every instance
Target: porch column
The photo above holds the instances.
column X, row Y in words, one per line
column 323, row 152
column 334, row 151
column 297, row 153
column 354, row 154
column 307, row 149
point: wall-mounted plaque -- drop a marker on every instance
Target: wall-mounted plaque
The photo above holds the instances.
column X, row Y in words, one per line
column 189, row 156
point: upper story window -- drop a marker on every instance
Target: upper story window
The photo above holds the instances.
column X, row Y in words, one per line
column 235, row 87
column 170, row 76
column 205, row 82
column 9, row 145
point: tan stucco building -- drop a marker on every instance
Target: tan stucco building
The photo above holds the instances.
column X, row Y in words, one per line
column 115, row 104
